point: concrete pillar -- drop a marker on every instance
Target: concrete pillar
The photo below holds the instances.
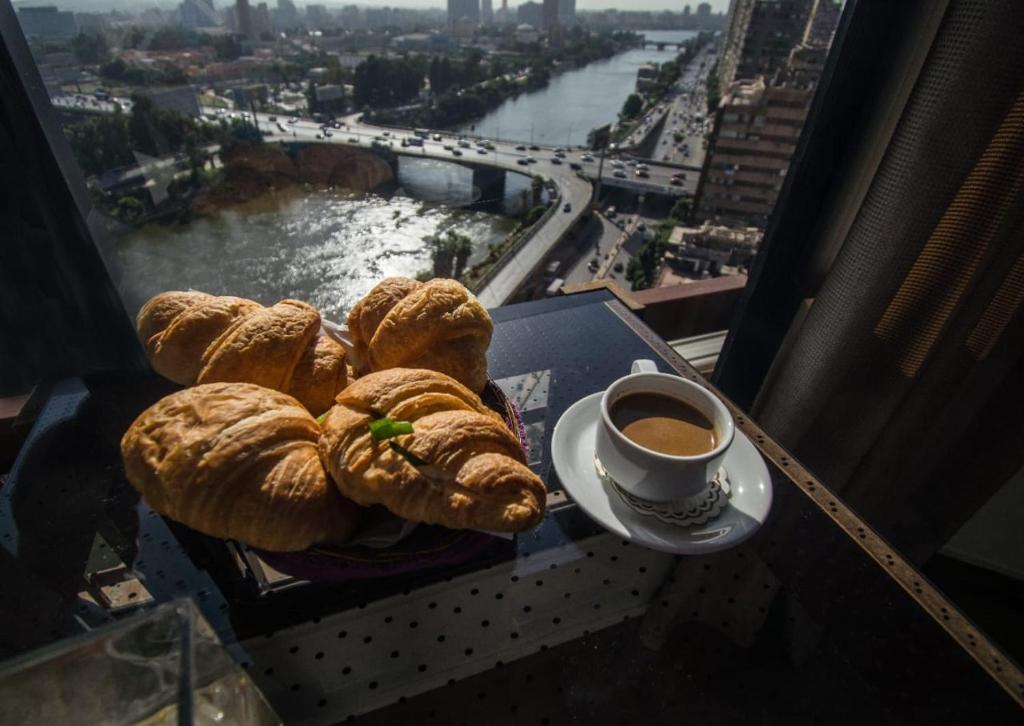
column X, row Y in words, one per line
column 489, row 184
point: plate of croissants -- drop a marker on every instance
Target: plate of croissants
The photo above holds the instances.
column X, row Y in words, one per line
column 294, row 435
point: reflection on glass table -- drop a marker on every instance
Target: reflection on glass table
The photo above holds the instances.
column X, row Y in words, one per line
column 814, row 616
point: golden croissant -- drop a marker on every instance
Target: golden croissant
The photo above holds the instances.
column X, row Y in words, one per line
column 438, row 325
column 460, row 467
column 239, row 461
column 192, row 337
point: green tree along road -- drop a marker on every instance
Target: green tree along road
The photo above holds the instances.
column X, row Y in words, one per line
column 381, row 81
column 632, row 106
column 681, row 209
column 642, row 270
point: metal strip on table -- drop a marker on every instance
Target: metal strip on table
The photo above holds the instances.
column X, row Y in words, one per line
column 978, row 645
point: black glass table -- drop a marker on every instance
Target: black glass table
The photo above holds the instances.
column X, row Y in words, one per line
column 814, row 617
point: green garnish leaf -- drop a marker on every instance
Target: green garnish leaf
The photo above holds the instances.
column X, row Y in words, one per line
column 385, row 428
column 406, row 454
column 322, row 417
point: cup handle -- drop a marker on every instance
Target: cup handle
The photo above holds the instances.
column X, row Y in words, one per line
column 644, row 365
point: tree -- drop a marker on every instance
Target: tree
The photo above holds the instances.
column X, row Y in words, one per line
column 99, row 144
column 227, row 48
column 712, row 89
column 681, row 209
column 632, row 106
column 90, row 48
column 450, row 253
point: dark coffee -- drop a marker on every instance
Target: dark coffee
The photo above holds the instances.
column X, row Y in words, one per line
column 663, row 424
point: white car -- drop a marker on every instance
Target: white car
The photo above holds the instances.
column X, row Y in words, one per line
column 464, row 144
column 617, row 164
column 586, row 157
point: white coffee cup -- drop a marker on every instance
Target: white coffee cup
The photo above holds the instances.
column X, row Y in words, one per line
column 648, row 474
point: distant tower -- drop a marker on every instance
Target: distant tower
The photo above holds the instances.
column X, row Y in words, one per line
column 550, row 15
column 459, row 9
column 486, row 12
column 244, row 14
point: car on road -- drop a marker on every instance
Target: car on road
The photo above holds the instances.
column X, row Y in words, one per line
column 555, row 160
column 592, row 265
column 520, row 148
column 464, row 144
column 617, row 164
column 522, row 162
column 534, row 147
column 481, row 151
column 567, row 207
column 319, row 136
column 642, row 174
column 456, row 152
column 575, row 167
column 631, row 162
column 448, row 147
column 620, row 174
column 436, row 137
column 530, row 160
column 675, row 181
column 353, row 140
column 618, row 267
column 385, row 133
column 586, row 157
column 643, row 167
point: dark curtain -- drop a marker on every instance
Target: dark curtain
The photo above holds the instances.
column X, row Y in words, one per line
column 900, row 386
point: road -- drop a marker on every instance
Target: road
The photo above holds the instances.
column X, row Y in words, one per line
column 688, row 101
column 687, row 98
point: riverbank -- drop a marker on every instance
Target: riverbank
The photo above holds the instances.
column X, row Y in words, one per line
column 461, row 106
column 573, row 103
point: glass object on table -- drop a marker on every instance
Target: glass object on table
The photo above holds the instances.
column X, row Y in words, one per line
column 163, row 666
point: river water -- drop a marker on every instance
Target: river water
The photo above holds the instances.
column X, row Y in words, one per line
column 576, row 101
column 320, row 246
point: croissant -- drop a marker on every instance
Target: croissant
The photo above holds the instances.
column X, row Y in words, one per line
column 438, row 325
column 461, row 467
column 192, row 337
column 239, row 461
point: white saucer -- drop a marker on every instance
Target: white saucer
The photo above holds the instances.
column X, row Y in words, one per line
column 572, row 451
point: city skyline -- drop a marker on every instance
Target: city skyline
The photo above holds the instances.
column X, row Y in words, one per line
column 717, row 6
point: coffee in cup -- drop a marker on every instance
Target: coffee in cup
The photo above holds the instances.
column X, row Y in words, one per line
column 663, row 424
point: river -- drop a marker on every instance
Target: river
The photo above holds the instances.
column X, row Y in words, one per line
column 576, row 101
column 320, row 246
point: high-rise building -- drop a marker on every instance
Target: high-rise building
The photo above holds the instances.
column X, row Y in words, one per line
column 775, row 28
column 486, row 12
column 703, row 13
column 736, row 30
column 317, row 17
column 459, row 10
column 550, row 14
column 261, row 20
column 530, row 13
column 198, row 14
column 823, row 22
column 47, row 22
column 756, row 132
column 287, row 14
column 243, row 19
column 567, row 12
